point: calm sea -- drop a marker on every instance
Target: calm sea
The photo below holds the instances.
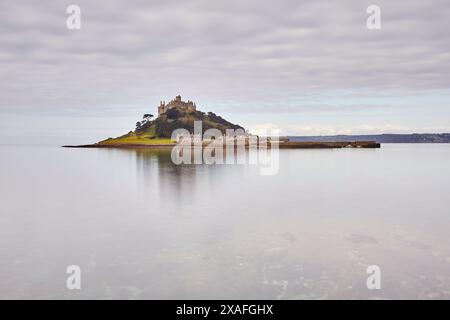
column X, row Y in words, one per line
column 140, row 227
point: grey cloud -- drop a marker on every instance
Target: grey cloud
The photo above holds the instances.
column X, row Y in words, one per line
column 138, row 52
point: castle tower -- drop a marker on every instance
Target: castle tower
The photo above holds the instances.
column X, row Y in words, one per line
column 176, row 103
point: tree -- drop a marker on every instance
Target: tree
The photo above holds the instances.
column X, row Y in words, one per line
column 138, row 125
column 147, row 117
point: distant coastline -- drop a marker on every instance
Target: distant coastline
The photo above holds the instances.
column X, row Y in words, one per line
column 380, row 138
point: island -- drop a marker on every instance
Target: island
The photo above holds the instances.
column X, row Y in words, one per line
column 151, row 132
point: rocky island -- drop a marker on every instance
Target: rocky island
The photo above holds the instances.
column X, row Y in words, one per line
column 157, row 132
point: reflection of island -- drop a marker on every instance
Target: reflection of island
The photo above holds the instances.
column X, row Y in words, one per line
column 155, row 167
column 156, row 171
column 181, row 115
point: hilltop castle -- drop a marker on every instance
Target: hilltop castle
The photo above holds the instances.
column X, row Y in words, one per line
column 176, row 103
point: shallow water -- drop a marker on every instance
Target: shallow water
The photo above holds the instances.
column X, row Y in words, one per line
column 141, row 227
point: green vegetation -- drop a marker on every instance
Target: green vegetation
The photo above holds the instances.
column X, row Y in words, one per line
column 175, row 119
column 136, row 139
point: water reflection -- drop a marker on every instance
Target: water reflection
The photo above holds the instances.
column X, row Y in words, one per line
column 141, row 227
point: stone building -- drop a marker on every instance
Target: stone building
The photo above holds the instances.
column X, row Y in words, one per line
column 188, row 106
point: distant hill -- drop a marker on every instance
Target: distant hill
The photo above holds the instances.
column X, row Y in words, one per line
column 176, row 114
column 381, row 138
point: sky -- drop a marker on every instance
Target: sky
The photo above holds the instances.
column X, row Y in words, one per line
column 303, row 67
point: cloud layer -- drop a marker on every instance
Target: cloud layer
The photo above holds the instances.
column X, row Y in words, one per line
column 231, row 56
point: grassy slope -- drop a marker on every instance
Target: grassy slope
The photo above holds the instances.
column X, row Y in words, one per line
column 146, row 138
column 136, row 140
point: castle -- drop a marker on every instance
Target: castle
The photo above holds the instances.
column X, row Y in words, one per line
column 176, row 103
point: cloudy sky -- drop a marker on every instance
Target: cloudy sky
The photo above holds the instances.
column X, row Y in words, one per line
column 305, row 67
